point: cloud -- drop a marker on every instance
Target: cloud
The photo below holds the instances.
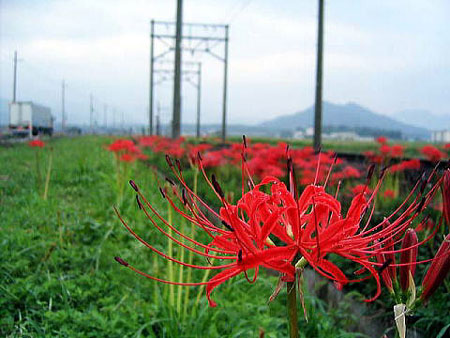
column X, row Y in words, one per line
column 389, row 55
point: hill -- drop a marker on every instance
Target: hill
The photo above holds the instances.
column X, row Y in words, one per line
column 349, row 115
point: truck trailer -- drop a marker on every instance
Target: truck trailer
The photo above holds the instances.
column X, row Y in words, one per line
column 28, row 118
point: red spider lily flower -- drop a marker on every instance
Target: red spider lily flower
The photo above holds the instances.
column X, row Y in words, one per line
column 385, row 149
column 165, row 145
column 361, row 189
column 446, row 196
column 397, row 150
column 377, row 159
column 319, row 228
column 142, row 156
column 389, row 194
column 413, row 164
column 148, row 141
column 373, row 157
column 127, row 158
column 194, row 150
column 121, row 145
column 351, row 172
column 381, row 140
column 432, row 153
column 234, row 244
column 346, row 173
column 126, row 150
column 36, row 143
column 408, row 258
column 311, row 225
column 369, row 153
column 437, row 271
column 213, row 159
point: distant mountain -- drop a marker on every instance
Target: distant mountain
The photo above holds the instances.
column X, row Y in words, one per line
column 423, row 118
column 349, row 115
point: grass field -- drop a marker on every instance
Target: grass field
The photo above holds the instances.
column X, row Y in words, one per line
column 58, row 276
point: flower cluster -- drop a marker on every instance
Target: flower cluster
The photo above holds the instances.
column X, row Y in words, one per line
column 262, row 159
column 437, row 271
column 432, row 153
column 385, row 152
column 402, row 288
column 36, row 144
column 164, row 145
column 413, row 164
column 126, row 150
column 272, row 225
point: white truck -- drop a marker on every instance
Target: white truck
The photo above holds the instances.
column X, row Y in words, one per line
column 28, row 118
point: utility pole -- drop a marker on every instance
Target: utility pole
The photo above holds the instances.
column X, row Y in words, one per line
column 199, row 88
column 176, row 119
column 63, row 105
column 91, row 113
column 152, row 60
column 319, row 76
column 123, row 121
column 105, row 116
column 225, row 85
column 15, row 78
column 158, row 122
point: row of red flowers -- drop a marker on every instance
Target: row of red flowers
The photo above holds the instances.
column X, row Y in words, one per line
column 265, row 159
column 272, row 225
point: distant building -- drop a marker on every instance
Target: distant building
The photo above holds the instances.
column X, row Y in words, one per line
column 299, row 134
column 309, row 132
column 346, row 136
column 337, row 135
column 440, row 136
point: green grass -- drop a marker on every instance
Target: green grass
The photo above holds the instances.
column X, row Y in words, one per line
column 57, row 272
column 58, row 276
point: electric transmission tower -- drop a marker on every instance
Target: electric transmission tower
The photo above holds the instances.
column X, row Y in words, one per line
column 191, row 73
column 197, row 38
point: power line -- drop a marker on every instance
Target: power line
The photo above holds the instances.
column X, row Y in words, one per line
column 205, row 37
column 79, row 92
column 235, row 14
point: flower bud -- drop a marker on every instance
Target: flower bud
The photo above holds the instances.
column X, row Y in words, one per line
column 409, row 257
column 437, row 271
column 446, row 196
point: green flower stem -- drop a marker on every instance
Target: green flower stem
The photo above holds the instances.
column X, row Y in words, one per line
column 156, row 285
column 38, row 171
column 170, row 254
column 202, row 287
column 118, row 177
column 180, row 272
column 191, row 253
column 292, row 301
column 292, row 309
column 49, row 169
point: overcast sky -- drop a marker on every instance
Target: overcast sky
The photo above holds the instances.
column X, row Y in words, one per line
column 385, row 55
